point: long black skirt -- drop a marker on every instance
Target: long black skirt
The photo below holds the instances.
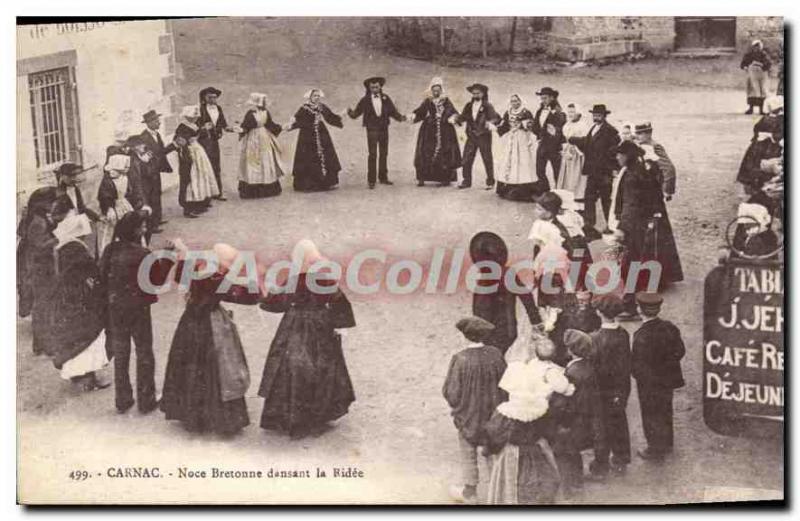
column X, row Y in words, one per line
column 305, row 382
column 258, row 191
column 192, row 392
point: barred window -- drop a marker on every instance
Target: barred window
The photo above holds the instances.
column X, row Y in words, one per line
column 52, row 117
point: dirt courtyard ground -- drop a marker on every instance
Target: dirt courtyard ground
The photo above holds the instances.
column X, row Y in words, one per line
column 399, row 431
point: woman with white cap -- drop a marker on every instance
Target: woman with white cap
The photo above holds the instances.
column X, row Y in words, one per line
column 437, row 156
column 78, row 347
column 754, row 236
column 207, row 375
column 202, row 186
column 260, row 161
column 571, row 176
column 757, row 64
column 118, row 195
column 316, row 165
column 517, row 178
column 305, row 383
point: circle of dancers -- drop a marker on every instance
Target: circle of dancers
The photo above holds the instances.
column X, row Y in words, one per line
column 531, row 407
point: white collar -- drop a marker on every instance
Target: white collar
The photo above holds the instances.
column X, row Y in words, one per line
column 475, row 344
column 574, row 360
column 609, row 325
column 646, row 319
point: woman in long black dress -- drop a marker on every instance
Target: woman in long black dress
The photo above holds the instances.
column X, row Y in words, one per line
column 437, row 155
column 316, row 165
column 305, row 382
column 207, row 374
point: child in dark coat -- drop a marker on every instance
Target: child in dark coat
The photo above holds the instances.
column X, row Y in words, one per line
column 471, row 389
column 612, row 365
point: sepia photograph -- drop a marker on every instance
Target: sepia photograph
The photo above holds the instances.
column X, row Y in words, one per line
column 400, row 260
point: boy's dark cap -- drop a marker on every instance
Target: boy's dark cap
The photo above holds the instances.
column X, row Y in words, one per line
column 475, row 329
column 608, row 305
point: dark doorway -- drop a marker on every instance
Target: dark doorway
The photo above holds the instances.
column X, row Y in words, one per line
column 696, row 33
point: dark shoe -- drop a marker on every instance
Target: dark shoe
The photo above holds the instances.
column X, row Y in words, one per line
column 372, row 186
column 591, row 233
column 204, row 209
column 597, row 471
column 150, row 407
column 420, row 183
column 464, row 185
column 749, row 110
column 650, row 455
column 189, row 215
column 489, row 184
column 163, row 222
column 385, row 182
column 122, row 409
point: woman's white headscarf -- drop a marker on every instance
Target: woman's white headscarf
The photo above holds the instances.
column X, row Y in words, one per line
column 521, row 104
column 649, row 153
column 190, row 112
column 309, row 92
column 754, row 214
column 305, row 254
column 258, row 99
column 436, row 80
column 757, row 42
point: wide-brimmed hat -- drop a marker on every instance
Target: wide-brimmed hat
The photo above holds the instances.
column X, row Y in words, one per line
column 375, row 79
column 488, row 246
column 209, row 90
column 643, row 127
column 578, row 343
column 630, row 149
column 475, row 329
column 649, row 302
column 548, row 91
column 600, row 109
column 68, row 170
column 478, row 86
column 150, row 115
column 185, row 131
column 550, row 201
column 135, row 140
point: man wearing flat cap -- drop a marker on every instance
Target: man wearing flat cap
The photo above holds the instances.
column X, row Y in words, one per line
column 376, row 108
column 547, row 125
column 479, row 116
column 155, row 145
column 656, row 365
column 644, row 136
column 211, row 125
column 599, row 148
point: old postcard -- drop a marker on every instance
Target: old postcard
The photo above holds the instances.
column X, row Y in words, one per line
column 420, row 260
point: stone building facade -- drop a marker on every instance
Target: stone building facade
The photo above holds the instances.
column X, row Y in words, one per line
column 74, row 80
column 580, row 38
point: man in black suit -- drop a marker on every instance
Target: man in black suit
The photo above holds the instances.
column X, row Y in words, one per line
column 376, row 109
column 154, row 143
column 478, row 114
column 656, row 365
column 69, row 177
column 547, row 124
column 212, row 124
column 598, row 147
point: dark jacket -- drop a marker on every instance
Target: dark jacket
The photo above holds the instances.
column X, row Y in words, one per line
column 371, row 120
column 750, row 172
column 477, row 127
column 79, row 206
column 583, row 404
column 757, row 56
column 119, row 269
column 656, row 355
column 599, row 150
column 216, row 132
column 612, row 362
column 156, row 146
column 557, row 118
column 249, row 123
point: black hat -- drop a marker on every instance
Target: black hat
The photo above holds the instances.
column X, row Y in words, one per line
column 578, row 343
column 375, row 79
column 135, row 140
column 550, row 201
column 209, row 90
column 608, row 305
column 185, row 131
column 475, row 329
column 479, row 86
column 68, row 169
column 488, row 246
column 630, row 149
column 549, row 91
column 649, row 302
column 150, row 114
column 643, row 127
column 600, row 109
